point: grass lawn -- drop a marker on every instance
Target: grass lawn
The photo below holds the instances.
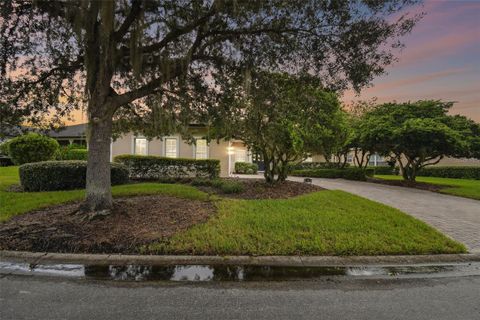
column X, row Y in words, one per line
column 13, row 203
column 460, row 187
column 319, row 223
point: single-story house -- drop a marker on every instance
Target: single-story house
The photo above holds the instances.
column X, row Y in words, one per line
column 228, row 152
column 173, row 146
column 74, row 134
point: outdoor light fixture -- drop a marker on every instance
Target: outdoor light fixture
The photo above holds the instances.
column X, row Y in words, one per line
column 230, row 151
column 307, row 180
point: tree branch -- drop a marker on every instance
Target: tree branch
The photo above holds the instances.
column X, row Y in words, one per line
column 136, row 9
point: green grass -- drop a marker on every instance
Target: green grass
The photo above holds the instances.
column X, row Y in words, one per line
column 321, row 223
column 460, row 187
column 13, row 203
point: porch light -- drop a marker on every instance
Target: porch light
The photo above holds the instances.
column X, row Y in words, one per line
column 230, row 151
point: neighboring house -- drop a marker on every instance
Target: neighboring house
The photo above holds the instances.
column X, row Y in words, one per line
column 70, row 135
column 8, row 132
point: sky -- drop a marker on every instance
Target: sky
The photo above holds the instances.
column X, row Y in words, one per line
column 440, row 60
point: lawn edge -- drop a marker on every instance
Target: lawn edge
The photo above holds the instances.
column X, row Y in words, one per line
column 285, row 261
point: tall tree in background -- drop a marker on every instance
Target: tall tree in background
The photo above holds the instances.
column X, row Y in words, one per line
column 134, row 57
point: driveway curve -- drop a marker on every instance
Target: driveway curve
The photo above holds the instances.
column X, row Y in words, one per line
column 457, row 217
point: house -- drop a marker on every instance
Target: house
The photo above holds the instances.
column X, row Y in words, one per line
column 228, row 152
column 74, row 134
column 174, row 146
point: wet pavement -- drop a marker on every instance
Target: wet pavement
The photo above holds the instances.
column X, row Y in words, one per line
column 237, row 273
column 27, row 297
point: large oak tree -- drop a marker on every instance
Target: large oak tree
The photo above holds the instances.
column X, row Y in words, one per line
column 132, row 58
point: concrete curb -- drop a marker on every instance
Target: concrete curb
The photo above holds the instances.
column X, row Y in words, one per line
column 285, row 261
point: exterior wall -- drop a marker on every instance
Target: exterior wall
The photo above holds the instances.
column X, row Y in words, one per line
column 219, row 151
column 459, row 162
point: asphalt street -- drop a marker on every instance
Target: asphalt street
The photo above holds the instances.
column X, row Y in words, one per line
column 27, row 297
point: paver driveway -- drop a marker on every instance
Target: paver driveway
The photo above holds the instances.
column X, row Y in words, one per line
column 455, row 216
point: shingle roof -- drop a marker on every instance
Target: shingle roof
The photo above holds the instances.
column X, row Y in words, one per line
column 74, row 131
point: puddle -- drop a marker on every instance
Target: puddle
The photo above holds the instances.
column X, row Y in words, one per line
column 205, row 273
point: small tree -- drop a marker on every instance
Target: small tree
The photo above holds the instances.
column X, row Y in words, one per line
column 418, row 134
column 282, row 118
column 32, row 147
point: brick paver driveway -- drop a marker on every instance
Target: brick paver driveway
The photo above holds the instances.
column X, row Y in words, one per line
column 455, row 216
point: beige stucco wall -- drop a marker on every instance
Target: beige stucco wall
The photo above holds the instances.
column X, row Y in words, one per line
column 216, row 150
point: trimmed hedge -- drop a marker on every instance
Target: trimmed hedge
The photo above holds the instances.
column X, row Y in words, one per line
column 346, row 173
column 316, row 165
column 63, row 175
column 157, row 168
column 32, row 147
column 451, row 172
column 73, row 154
column 383, row 170
column 246, row 168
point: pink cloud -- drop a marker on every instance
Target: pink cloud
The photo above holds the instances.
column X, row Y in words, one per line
column 439, row 47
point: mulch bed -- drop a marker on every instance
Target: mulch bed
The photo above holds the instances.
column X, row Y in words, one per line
column 258, row 189
column 134, row 222
column 408, row 184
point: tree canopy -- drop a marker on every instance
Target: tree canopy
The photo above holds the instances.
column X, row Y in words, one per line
column 282, row 118
column 419, row 134
column 161, row 61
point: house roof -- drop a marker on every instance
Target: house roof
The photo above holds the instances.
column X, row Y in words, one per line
column 74, row 131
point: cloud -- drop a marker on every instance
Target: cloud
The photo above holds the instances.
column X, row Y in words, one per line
column 418, row 79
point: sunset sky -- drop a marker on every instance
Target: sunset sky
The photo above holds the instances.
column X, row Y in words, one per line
column 441, row 60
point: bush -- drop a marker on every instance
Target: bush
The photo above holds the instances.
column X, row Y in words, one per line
column 346, row 173
column 317, row 165
column 32, row 147
column 246, row 168
column 451, row 172
column 63, row 175
column 72, row 154
column 383, row 170
column 156, row 168
column 231, row 187
column 225, row 186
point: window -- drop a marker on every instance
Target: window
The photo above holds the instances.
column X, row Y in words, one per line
column 240, row 155
column 140, row 146
column 201, row 149
column 171, row 147
column 349, row 158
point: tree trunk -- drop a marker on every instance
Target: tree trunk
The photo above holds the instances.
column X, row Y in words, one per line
column 98, row 194
column 270, row 168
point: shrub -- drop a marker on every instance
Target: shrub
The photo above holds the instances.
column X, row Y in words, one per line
column 32, row 147
column 383, row 170
column 451, row 172
column 225, row 186
column 63, row 175
column 156, row 168
column 346, row 173
column 72, row 154
column 246, row 168
column 317, row 165
column 231, row 187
